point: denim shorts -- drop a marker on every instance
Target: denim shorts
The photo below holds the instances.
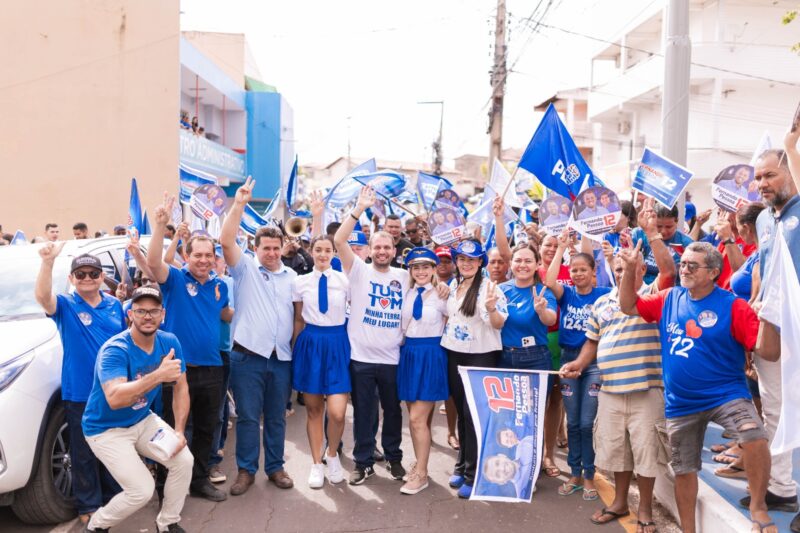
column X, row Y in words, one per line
column 686, row 432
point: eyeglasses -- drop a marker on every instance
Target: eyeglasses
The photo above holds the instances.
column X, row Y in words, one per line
column 81, row 274
column 691, row 267
column 152, row 313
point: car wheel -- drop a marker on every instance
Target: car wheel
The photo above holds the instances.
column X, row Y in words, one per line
column 47, row 498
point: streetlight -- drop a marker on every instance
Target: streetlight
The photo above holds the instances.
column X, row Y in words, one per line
column 437, row 144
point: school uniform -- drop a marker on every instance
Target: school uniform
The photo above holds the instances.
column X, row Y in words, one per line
column 422, row 372
column 321, row 353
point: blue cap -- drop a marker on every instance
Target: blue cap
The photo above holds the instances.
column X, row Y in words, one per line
column 690, row 211
column 470, row 248
column 357, row 238
column 421, row 255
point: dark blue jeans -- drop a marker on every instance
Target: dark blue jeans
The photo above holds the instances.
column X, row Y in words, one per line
column 364, row 378
column 260, row 386
column 221, row 431
column 528, row 358
column 92, row 484
column 580, row 403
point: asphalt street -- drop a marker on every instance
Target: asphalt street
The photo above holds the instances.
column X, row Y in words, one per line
column 376, row 505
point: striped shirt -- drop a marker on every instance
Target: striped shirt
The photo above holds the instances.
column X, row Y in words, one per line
column 628, row 349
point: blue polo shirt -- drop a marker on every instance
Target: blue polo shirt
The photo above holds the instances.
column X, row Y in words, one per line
column 576, row 309
column 192, row 314
column 523, row 322
column 766, row 226
column 121, row 358
column 675, row 244
column 83, row 330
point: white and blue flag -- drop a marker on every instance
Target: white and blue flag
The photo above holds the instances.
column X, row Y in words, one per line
column 190, row 179
column 251, row 220
column 19, row 238
column 347, row 189
column 428, row 186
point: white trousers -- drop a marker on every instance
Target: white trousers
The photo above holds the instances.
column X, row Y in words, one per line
column 119, row 450
column 769, row 385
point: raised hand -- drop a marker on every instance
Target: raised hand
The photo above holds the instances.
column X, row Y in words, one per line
column 498, row 206
column 703, row 217
column 648, row 220
column 132, row 246
column 50, row 251
column 724, row 229
column 183, row 232
column 170, row 368
column 793, row 135
column 122, row 292
column 631, row 256
column 564, row 239
column 163, row 212
column 366, row 198
column 608, row 250
column 317, row 203
column 539, row 301
column 245, row 193
column 491, row 296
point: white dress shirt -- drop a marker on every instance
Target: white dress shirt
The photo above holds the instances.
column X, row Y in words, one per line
column 305, row 289
column 434, row 311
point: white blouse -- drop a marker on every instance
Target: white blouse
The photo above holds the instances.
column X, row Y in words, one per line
column 305, row 289
column 473, row 334
column 434, row 311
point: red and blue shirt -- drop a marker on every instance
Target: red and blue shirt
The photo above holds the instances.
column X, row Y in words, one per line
column 703, row 344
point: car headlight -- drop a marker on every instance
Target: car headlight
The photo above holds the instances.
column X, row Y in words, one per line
column 13, row 368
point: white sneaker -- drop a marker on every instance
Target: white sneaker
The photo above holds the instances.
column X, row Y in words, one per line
column 316, row 479
column 335, row 471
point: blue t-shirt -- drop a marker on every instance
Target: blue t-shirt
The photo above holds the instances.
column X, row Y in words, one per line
column 121, row 358
column 83, row 330
column 575, row 311
column 523, row 322
column 742, row 279
column 193, row 314
column 675, row 244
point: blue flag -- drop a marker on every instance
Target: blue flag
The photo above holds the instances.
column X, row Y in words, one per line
column 19, row 238
column 387, row 183
column 347, row 189
column 135, row 218
column 428, row 186
column 273, row 206
column 661, row 178
column 190, row 179
column 507, row 408
column 251, row 220
column 291, row 188
column 146, row 224
column 554, row 160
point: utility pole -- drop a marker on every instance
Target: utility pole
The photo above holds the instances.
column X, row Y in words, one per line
column 498, row 83
column 437, row 144
column 675, row 96
column 349, row 162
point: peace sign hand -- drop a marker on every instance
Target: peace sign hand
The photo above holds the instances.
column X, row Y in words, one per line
column 133, row 241
column 491, row 296
column 539, row 301
column 245, row 193
column 630, row 256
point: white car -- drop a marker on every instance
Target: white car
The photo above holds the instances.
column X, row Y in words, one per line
column 35, row 468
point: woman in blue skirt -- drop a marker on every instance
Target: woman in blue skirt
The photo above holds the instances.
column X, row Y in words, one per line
column 321, row 356
column 422, row 372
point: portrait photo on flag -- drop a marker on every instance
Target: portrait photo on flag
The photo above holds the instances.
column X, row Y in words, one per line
column 735, row 187
column 596, row 211
column 554, row 213
column 507, row 408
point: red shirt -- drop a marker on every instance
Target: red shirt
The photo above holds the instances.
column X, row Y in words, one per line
column 724, row 280
column 564, row 279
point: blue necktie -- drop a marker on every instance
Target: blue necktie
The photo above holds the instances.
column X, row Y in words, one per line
column 417, row 310
column 323, row 294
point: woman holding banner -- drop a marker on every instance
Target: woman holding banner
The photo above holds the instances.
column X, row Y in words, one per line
column 422, row 372
column 579, row 394
column 476, row 313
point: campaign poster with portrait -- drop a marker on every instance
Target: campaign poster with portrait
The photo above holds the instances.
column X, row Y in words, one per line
column 554, row 213
column 596, row 211
column 447, row 197
column 446, row 224
column 507, row 408
column 208, row 201
column 734, row 187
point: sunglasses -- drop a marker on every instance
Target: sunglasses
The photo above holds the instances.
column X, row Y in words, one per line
column 690, row 267
column 81, row 274
column 152, row 313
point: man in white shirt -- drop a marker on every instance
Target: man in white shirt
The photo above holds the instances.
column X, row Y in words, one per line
column 376, row 298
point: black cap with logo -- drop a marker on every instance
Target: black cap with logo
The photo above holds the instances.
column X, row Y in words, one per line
column 147, row 291
column 86, row 260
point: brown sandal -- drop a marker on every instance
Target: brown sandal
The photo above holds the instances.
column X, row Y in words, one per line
column 452, row 440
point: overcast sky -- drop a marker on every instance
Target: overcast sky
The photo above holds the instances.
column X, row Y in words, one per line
column 373, row 60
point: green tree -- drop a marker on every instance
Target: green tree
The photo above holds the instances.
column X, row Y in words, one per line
column 788, row 18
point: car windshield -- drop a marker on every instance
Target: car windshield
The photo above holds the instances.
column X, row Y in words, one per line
column 19, row 266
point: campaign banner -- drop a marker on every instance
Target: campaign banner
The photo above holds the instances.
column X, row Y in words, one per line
column 208, row 201
column 507, row 408
column 596, row 210
column 660, row 178
column 735, row 187
column 554, row 214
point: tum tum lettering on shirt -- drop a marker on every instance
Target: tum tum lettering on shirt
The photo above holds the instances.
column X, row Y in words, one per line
column 385, row 302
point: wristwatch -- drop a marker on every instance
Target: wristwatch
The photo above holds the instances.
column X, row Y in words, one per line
column 729, row 241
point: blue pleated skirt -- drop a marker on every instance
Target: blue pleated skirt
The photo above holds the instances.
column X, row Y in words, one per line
column 321, row 360
column 422, row 372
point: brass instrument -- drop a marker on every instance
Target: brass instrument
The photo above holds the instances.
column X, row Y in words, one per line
column 296, row 226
